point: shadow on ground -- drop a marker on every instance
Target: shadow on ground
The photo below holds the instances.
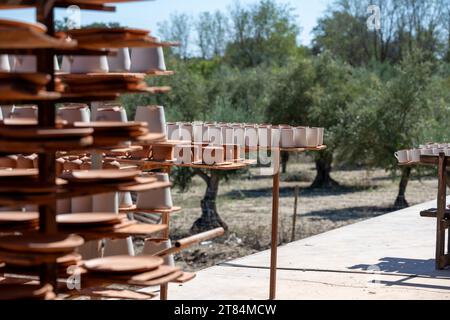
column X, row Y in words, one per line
column 412, row 269
column 286, row 192
column 337, row 215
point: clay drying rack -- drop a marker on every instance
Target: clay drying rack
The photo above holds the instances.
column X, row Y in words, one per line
column 166, row 166
column 47, row 150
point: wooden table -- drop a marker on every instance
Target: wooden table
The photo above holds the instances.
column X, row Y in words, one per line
column 441, row 213
column 151, row 165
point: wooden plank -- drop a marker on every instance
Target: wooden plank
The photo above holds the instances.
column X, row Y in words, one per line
column 441, row 208
column 432, row 213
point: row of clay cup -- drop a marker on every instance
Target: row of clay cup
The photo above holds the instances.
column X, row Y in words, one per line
column 140, row 60
column 19, row 161
column 200, row 153
column 248, row 135
column 413, row 155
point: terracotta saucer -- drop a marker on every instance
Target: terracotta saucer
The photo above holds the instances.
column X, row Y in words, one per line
column 38, row 243
column 38, row 27
column 100, row 176
column 18, row 218
column 24, row 291
column 88, row 219
column 17, row 173
column 123, row 264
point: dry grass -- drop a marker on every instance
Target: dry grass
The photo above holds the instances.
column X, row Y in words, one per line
column 245, row 205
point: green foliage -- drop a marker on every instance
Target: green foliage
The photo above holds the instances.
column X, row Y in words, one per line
column 375, row 92
column 401, row 113
column 265, row 33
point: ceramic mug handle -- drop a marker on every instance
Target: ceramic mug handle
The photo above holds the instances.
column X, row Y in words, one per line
column 396, row 155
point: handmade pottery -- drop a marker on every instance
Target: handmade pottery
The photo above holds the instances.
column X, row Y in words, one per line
column 186, row 132
column 147, row 59
column 154, row 246
column 125, row 200
column 123, row 264
column 251, row 136
column 162, row 153
column 4, row 63
column 81, row 204
column 232, row 152
column 66, row 64
column 154, row 116
column 313, row 137
column 74, row 113
column 117, row 113
column 89, row 64
column 187, row 154
column 25, row 63
column 24, row 112
column 402, row 156
column 275, row 133
column 158, row 198
column 213, row 155
column 121, row 62
column 287, row 137
column 414, row 155
column 6, row 111
column 301, row 137
column 197, row 132
column 63, row 206
column 264, row 135
column 26, row 162
column 215, row 135
column 173, row 131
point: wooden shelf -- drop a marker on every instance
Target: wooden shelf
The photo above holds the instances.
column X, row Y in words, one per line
column 150, row 165
column 291, row 150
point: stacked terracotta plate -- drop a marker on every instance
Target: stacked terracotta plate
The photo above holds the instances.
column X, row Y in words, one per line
column 26, row 292
column 92, row 222
column 110, row 133
column 98, row 38
column 18, row 221
column 22, row 35
column 24, row 86
column 33, row 249
column 103, row 82
column 141, row 270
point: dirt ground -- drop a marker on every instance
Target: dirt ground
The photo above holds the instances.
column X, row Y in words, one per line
column 244, row 203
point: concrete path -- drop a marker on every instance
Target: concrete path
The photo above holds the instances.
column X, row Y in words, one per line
column 389, row 257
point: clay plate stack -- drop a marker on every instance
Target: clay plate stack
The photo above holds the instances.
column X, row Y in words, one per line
column 26, row 292
column 18, row 221
column 24, row 86
column 33, row 249
column 21, row 35
column 97, row 38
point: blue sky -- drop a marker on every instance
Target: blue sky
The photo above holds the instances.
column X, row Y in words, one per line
column 147, row 14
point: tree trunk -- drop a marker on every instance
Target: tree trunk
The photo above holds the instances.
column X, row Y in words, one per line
column 210, row 218
column 284, row 161
column 401, row 202
column 323, row 166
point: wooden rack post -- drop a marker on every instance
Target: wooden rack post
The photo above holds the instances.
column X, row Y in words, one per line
column 275, row 219
column 46, row 118
column 441, row 258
